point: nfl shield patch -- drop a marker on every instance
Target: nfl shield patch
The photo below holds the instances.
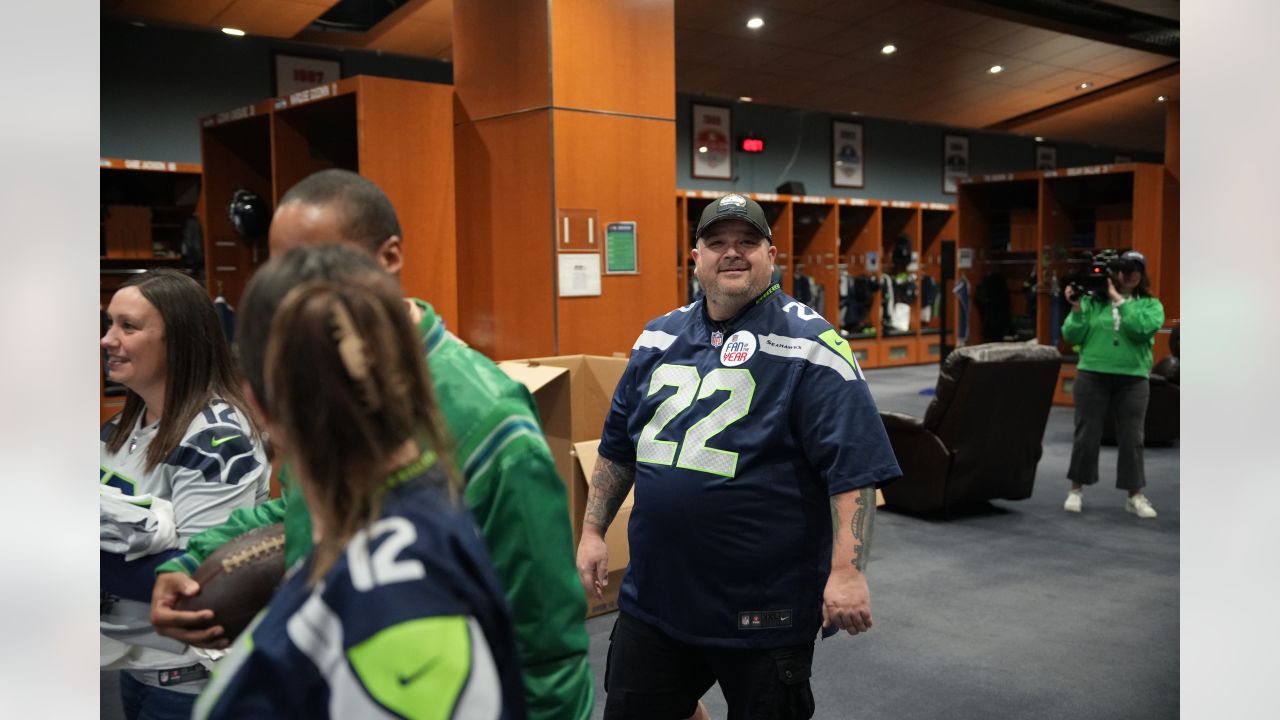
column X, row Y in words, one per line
column 717, row 338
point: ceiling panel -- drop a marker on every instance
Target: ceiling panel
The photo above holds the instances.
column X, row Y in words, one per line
column 936, row 25
column 194, row 12
column 1025, row 75
column 814, row 54
column 415, row 37
column 435, row 11
column 846, row 11
column 1026, row 43
column 273, row 18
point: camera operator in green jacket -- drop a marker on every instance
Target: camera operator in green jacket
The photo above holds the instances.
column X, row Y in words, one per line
column 1115, row 335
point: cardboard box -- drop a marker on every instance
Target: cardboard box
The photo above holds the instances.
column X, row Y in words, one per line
column 573, row 393
column 585, row 454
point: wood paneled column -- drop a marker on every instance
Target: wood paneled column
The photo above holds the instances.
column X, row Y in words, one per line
column 565, row 111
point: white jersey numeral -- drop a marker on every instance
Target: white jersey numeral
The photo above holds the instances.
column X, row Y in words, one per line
column 694, row 452
column 383, row 567
column 804, row 312
column 684, row 378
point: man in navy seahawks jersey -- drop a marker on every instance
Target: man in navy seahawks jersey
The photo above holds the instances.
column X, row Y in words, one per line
column 754, row 448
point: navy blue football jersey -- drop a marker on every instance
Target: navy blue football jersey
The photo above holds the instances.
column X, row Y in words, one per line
column 409, row 622
column 740, row 432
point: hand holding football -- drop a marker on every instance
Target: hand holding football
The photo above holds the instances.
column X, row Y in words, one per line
column 239, row 578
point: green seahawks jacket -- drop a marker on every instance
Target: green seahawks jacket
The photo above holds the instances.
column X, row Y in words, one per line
column 1115, row 339
column 519, row 503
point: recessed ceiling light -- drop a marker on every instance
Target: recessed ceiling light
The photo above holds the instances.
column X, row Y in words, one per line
column 1084, row 86
column 1162, row 98
column 745, row 98
column 755, row 23
column 233, row 31
column 996, row 69
column 1039, row 139
column 889, row 49
column 702, row 149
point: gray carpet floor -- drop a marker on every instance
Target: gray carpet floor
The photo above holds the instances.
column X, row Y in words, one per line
column 1019, row 610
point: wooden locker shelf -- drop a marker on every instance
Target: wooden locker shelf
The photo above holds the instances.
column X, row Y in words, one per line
column 866, row 352
column 1055, row 219
column 815, row 238
column 859, row 235
column 828, row 237
column 144, row 207
column 235, row 148
column 899, row 350
column 397, row 133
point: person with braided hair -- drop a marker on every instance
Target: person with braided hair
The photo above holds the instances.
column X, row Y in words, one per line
column 397, row 610
column 510, row 481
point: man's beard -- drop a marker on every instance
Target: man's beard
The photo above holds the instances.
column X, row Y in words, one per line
column 718, row 293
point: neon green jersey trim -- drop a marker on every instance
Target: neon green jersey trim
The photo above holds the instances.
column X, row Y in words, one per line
column 109, row 475
column 839, row 344
column 417, row 668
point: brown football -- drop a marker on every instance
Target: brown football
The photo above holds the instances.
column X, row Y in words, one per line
column 239, row 578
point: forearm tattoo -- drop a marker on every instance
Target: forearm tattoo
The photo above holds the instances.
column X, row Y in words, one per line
column 859, row 527
column 610, row 483
column 863, row 517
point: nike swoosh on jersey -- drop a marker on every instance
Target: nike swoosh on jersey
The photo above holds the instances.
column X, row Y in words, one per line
column 218, row 441
column 408, row 679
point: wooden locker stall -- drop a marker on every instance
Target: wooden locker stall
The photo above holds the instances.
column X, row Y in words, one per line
column 1076, row 212
column 683, row 268
column 778, row 209
column 235, row 147
column 816, row 242
column 997, row 225
column 145, row 208
column 859, row 231
column 900, row 219
column 396, row 133
column 937, row 223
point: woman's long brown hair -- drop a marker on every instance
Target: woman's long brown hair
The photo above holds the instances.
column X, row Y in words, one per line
column 198, row 363
column 346, row 382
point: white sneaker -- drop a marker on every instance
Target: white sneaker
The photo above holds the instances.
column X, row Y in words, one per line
column 1075, row 499
column 1139, row 505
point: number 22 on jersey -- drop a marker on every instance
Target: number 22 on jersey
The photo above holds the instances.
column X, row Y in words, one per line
column 694, row 454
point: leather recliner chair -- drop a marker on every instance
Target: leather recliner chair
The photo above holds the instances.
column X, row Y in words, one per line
column 1161, row 426
column 981, row 437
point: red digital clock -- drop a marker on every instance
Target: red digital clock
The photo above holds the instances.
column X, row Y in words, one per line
column 751, row 145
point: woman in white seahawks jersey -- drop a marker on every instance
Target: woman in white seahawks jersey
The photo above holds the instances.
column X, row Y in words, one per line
column 176, row 461
column 397, row 611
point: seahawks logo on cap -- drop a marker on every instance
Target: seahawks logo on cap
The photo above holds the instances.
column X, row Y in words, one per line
column 736, row 200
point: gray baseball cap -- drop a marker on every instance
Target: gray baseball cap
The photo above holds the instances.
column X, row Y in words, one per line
column 735, row 207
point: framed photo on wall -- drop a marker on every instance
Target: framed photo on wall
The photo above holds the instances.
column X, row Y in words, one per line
column 846, row 154
column 1046, row 157
column 292, row 73
column 955, row 161
column 711, row 148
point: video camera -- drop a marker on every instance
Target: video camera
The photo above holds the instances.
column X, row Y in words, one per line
column 1104, row 265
